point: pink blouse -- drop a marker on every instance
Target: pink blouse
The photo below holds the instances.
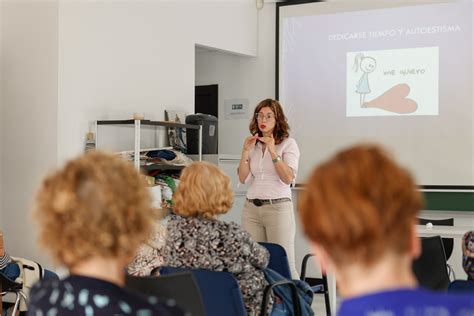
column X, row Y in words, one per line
column 263, row 180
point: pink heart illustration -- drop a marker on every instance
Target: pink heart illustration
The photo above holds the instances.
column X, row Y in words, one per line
column 394, row 100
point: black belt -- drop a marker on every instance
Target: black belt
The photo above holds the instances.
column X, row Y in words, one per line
column 260, row 202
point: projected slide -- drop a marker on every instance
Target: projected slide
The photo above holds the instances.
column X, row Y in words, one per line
column 396, row 73
column 392, row 82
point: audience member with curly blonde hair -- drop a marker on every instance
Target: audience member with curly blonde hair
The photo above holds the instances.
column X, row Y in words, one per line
column 359, row 211
column 93, row 214
column 198, row 240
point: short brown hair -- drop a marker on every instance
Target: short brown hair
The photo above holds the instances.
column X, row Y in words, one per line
column 281, row 130
column 97, row 205
column 204, row 190
column 360, row 205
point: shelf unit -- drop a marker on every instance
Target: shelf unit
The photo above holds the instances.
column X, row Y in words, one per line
column 138, row 124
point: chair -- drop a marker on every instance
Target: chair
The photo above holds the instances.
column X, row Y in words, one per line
column 182, row 287
column 8, row 286
column 430, row 268
column 221, row 293
column 447, row 242
column 278, row 259
column 279, row 263
column 461, row 286
column 319, row 285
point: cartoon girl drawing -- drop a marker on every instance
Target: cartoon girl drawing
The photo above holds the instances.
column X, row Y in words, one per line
column 366, row 65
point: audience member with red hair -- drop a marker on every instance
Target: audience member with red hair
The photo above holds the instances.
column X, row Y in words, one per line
column 359, row 212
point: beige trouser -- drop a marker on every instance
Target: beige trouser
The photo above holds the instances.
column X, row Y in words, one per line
column 274, row 223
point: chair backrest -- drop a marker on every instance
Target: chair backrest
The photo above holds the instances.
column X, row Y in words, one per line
column 220, row 291
column 11, row 292
column 8, row 285
column 278, row 259
column 462, row 286
column 430, row 268
column 448, row 243
column 318, row 285
column 181, row 287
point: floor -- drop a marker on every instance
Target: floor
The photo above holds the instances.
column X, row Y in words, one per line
column 318, row 305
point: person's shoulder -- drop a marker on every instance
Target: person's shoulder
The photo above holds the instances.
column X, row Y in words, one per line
column 219, row 225
column 233, row 226
column 289, row 145
column 236, row 231
column 455, row 298
column 230, row 229
column 178, row 224
column 45, row 285
column 230, row 225
column 175, row 220
column 288, row 142
column 174, row 217
column 100, row 296
column 453, row 302
column 398, row 300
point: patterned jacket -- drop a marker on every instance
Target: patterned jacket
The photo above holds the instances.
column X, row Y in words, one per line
column 200, row 243
column 150, row 254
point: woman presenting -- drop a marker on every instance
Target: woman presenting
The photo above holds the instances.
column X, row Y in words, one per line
column 268, row 165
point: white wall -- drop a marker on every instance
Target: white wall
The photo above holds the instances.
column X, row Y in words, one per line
column 117, row 58
column 239, row 77
column 1, row 112
column 67, row 63
column 251, row 78
column 28, row 120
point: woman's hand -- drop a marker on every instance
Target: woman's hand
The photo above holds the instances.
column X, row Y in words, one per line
column 244, row 169
column 284, row 171
column 269, row 141
column 249, row 142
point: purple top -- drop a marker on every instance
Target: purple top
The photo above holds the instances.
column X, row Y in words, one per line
column 408, row 302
